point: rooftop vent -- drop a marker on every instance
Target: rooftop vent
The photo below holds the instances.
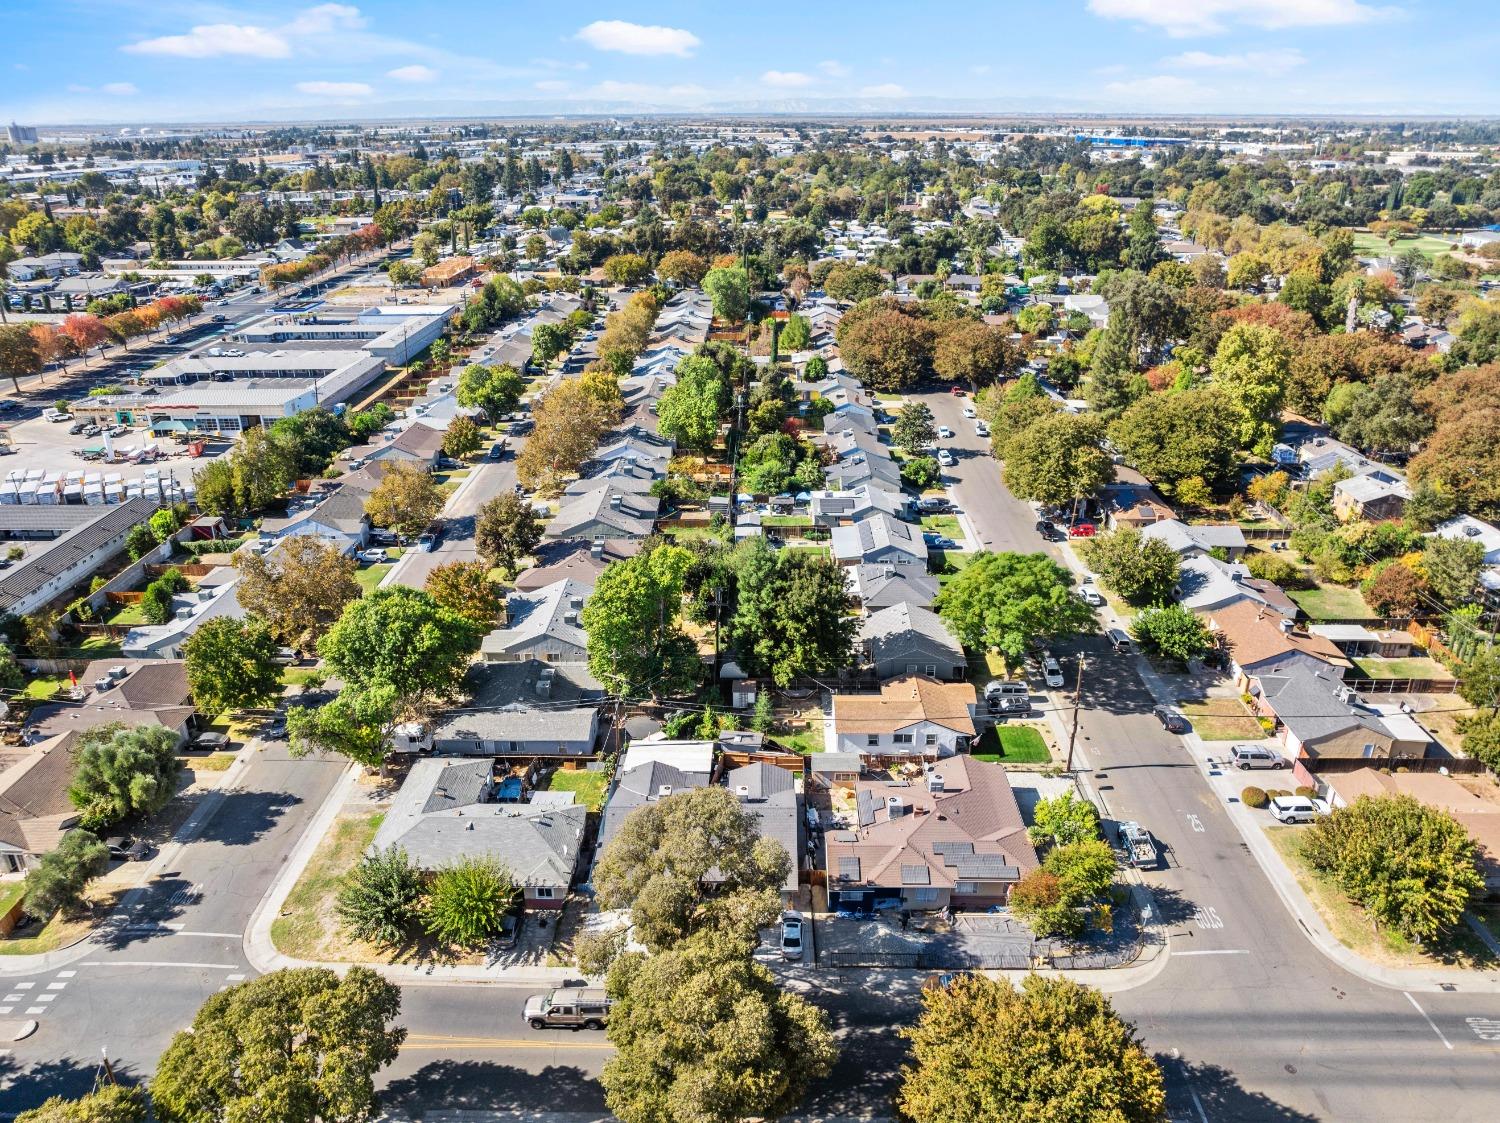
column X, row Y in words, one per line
column 894, row 808
column 664, row 791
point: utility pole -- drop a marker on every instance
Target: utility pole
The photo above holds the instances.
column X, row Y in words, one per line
column 1077, row 699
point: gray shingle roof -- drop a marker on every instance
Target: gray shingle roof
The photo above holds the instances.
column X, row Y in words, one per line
column 72, row 549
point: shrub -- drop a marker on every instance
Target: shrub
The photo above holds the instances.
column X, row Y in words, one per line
column 1254, row 797
column 1276, row 793
column 921, row 472
column 57, row 881
column 1304, row 790
column 468, row 901
column 380, row 900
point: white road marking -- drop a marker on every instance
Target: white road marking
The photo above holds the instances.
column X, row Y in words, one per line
column 66, row 974
column 1217, row 951
column 158, row 963
column 1196, row 823
column 1446, row 1043
column 235, row 978
column 6, row 1010
column 1207, row 918
column 56, row 986
column 1486, row 1029
column 24, row 986
column 36, row 1009
column 45, row 997
column 12, row 998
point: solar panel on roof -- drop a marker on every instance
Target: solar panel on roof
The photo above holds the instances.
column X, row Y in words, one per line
column 986, row 867
column 849, row 869
column 952, row 847
column 916, row 875
column 865, row 804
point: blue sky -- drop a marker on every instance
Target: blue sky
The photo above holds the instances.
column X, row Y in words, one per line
column 173, row 60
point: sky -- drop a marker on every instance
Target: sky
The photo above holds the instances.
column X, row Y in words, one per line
column 166, row 61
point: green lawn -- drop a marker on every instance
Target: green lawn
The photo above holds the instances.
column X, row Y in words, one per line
column 307, row 917
column 802, row 743
column 1222, row 719
column 947, row 564
column 588, row 787
column 301, row 676
column 1012, row 744
column 10, row 893
column 785, row 520
column 946, row 525
column 43, row 688
column 100, row 646
column 1368, row 244
column 369, row 576
column 1420, row 667
column 1331, row 602
column 127, row 616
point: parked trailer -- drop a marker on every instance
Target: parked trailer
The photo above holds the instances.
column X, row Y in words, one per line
column 1139, row 846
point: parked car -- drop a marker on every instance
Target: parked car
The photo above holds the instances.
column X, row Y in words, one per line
column 1254, row 756
column 122, row 849
column 1091, row 596
column 1297, row 808
column 77, row 427
column 945, row 433
column 568, row 1007
column 1052, row 672
column 55, row 415
column 980, row 428
column 497, row 450
column 940, row 542
column 933, row 505
column 791, row 936
column 945, row 458
column 1048, row 531
column 7, row 405
column 372, row 556
column 275, row 729
column 209, row 742
column 970, row 411
column 219, row 319
column 1171, row 720
column 1082, row 530
column 1119, row 640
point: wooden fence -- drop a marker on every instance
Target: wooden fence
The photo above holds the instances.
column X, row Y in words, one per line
column 1403, row 685
column 1459, row 765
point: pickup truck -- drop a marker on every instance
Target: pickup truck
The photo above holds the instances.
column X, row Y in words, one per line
column 1139, row 846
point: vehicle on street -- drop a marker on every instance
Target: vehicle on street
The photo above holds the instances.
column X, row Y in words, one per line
column 945, row 433
column 1119, row 640
column 1139, row 846
column 945, row 458
column 219, row 319
column 275, row 729
column 7, row 405
column 958, row 392
column 1082, row 530
column 970, row 411
column 428, row 540
column 1091, row 596
column 1254, row 756
column 981, row 429
column 55, row 415
column 1048, row 531
column 1052, row 672
column 568, row 1008
column 91, row 430
column 1297, row 808
column 939, row 542
column 77, row 427
column 209, row 742
column 1171, row 720
column 791, row 936
column 497, row 450
column 373, row 555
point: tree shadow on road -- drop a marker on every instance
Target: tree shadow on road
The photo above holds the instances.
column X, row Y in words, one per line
column 1220, row 1095
column 247, row 816
column 67, row 1076
column 487, row 1086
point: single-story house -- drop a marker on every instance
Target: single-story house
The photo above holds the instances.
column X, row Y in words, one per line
column 1372, row 497
column 1355, row 640
column 579, row 560
column 1188, row 540
column 911, row 716
column 416, row 444
column 769, row 795
column 1205, row 584
column 35, row 811
column 643, row 784
column 907, row 640
column 132, row 691
column 1318, row 717
column 445, row 812
column 605, row 513
column 881, row 585
column 519, row 731
column 859, row 469
column 955, row 838
column 696, row 757
column 542, row 625
column 340, row 519
column 1259, row 642
column 838, row 508
column 880, row 540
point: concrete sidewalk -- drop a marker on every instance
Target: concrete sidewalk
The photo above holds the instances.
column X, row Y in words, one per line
column 262, row 954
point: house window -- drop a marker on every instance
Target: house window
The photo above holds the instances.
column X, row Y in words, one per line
column 966, row 888
column 1369, row 751
column 872, row 740
column 930, row 739
column 542, row 893
column 924, row 896
column 902, row 738
column 930, row 670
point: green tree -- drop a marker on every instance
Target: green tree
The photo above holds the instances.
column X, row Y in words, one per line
column 973, row 352
column 231, row 665
column 468, row 900
column 1171, row 437
column 20, row 354
column 682, row 267
column 356, row 724
column 1143, row 249
column 794, row 616
column 140, row 541
column 636, row 644
column 1453, row 566
column 1058, row 460
column 1064, row 819
column 854, row 283
column 165, row 523
column 1172, row 631
column 404, row 639
column 626, row 269
column 1085, row 869
column 496, row 390
column 1480, row 685
column 465, row 587
column 796, row 334
column 549, row 341
column 123, row 771
column 704, row 1034
column 506, row 530
column 690, row 409
column 314, row 437
column 1413, row 868
column 107, row 1103
column 295, row 1045
column 214, row 483
column 729, row 286
column 1142, row 570
column 1010, row 601
column 156, row 601
column 886, row 348
column 301, row 591
column 662, row 857
column 404, row 274
column 921, row 472
column 57, row 881
column 264, row 467
column 462, row 438
column 986, row 1051
column 406, row 500
column 914, row 429
column 380, row 900
column 1252, row 367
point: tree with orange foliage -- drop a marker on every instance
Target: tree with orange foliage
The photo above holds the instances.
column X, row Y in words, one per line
column 86, row 330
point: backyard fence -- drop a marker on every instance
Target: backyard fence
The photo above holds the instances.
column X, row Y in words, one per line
column 1462, row 766
column 1402, row 685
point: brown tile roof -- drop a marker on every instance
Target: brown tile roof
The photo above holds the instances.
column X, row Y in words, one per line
column 905, row 701
column 970, row 831
column 1255, row 636
column 1480, row 817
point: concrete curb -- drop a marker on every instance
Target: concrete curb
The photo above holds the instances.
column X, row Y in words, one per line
column 262, row 954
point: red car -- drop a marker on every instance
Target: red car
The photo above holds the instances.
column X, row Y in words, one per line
column 957, row 391
column 1082, row 530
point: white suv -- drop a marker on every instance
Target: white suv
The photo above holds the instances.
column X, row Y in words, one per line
column 1253, row 756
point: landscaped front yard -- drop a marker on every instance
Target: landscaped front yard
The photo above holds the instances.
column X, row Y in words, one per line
column 1353, row 927
column 1222, row 719
column 368, row 577
column 1012, row 744
column 1331, row 602
column 946, row 525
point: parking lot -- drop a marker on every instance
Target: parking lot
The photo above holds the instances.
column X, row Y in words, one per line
column 49, row 446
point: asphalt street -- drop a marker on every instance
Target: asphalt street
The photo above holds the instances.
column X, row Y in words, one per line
column 1250, row 1020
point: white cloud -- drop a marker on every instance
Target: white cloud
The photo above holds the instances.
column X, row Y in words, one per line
column 786, row 79
column 638, row 39
column 414, row 73
column 1159, row 89
column 833, row 68
column 1277, row 61
column 553, row 86
column 885, row 89
column 558, row 64
column 210, row 40
column 642, row 91
column 326, row 18
column 336, row 89
column 1181, row 18
column 113, row 89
